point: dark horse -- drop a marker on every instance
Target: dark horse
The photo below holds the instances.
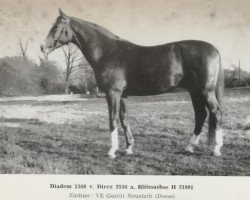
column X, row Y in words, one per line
column 123, row 69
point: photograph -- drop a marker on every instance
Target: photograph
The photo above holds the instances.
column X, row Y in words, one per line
column 125, row 87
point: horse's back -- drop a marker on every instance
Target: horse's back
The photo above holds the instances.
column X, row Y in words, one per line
column 158, row 69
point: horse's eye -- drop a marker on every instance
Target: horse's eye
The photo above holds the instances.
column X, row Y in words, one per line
column 62, row 20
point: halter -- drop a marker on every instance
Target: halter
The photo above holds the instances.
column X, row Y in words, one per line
column 63, row 28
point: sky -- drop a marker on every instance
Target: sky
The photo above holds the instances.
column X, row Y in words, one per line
column 224, row 23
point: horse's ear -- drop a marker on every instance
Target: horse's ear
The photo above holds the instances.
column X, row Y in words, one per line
column 63, row 15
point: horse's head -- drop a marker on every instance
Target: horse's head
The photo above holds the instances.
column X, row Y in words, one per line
column 59, row 34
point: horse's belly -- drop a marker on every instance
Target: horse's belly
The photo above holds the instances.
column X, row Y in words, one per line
column 153, row 77
column 142, row 87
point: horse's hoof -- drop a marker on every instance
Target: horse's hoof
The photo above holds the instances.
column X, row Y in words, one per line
column 129, row 152
column 216, row 153
column 112, row 154
column 189, row 149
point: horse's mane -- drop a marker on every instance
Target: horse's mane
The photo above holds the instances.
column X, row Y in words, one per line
column 96, row 27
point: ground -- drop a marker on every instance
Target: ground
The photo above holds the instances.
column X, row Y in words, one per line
column 70, row 135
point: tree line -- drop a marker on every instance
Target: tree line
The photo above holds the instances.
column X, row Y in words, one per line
column 19, row 75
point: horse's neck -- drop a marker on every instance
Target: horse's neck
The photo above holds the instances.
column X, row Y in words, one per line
column 92, row 42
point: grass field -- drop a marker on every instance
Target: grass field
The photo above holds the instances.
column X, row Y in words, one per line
column 71, row 136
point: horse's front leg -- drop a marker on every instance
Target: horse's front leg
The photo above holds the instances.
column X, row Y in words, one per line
column 125, row 126
column 113, row 99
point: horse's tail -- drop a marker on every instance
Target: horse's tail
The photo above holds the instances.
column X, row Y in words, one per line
column 219, row 88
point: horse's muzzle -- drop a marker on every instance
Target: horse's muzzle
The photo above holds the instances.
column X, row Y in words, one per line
column 44, row 49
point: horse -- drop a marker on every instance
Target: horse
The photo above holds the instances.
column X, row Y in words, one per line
column 125, row 69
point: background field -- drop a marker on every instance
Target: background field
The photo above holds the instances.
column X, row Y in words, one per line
column 70, row 135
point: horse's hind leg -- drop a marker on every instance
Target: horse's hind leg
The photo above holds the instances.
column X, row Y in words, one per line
column 200, row 116
column 125, row 126
column 215, row 122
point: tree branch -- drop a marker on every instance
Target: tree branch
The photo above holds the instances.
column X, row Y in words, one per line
column 23, row 49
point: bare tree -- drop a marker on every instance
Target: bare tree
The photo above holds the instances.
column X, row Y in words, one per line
column 72, row 56
column 23, row 48
column 237, row 71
